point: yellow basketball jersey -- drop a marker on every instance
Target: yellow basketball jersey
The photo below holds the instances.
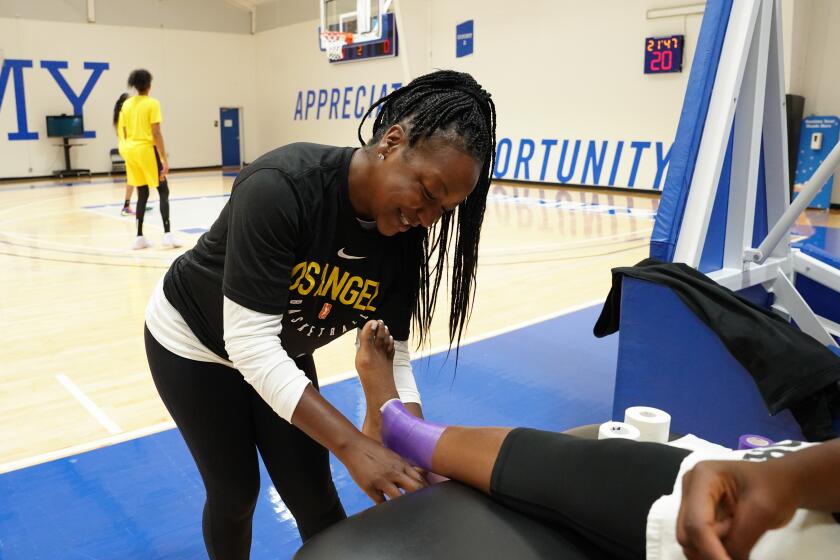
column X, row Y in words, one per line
column 137, row 116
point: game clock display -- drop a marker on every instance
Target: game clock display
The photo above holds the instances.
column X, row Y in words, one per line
column 373, row 49
column 386, row 45
column 663, row 54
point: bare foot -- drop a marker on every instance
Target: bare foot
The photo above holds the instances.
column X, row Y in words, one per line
column 375, row 365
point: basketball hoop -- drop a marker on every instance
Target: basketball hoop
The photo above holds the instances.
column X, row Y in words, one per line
column 335, row 41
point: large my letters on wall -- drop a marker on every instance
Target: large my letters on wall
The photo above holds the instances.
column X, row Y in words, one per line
column 13, row 76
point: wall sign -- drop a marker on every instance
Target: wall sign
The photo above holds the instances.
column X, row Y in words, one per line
column 464, row 39
column 817, row 137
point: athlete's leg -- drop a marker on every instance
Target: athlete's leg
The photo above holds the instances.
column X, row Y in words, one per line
column 375, row 366
column 163, row 193
column 481, row 445
column 134, row 175
column 602, row 489
column 142, row 198
column 127, row 202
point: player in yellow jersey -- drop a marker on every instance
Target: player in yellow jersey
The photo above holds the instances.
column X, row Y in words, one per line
column 126, row 209
column 144, row 153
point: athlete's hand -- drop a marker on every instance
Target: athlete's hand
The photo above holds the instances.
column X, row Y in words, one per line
column 380, row 472
column 727, row 506
column 164, row 171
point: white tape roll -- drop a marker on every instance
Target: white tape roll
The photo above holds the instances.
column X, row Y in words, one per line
column 620, row 430
column 653, row 424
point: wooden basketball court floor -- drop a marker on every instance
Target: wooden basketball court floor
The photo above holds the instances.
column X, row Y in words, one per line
column 73, row 374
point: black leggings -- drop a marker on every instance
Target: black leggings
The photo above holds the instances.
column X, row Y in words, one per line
column 143, row 199
column 225, row 422
column 600, row 489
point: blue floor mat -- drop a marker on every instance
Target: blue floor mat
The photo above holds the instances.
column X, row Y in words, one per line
column 143, row 499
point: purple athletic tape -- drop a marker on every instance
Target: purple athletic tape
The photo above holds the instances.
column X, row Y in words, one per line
column 751, row 441
column 411, row 437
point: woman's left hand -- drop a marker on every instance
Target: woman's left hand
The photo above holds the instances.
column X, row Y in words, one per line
column 378, row 471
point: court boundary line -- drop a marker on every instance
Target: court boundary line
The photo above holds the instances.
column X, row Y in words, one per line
column 26, row 242
column 51, row 245
column 39, row 183
column 92, row 445
column 171, row 199
column 88, row 404
column 123, row 437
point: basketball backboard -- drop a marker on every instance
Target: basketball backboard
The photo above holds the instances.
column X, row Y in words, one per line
column 357, row 29
column 362, row 18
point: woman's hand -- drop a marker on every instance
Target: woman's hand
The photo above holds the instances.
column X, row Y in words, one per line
column 727, row 506
column 380, row 472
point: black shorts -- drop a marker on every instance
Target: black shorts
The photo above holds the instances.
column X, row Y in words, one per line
column 600, row 489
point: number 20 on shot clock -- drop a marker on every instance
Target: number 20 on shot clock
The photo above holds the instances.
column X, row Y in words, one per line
column 664, row 54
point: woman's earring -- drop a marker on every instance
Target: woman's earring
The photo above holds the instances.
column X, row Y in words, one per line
column 380, row 155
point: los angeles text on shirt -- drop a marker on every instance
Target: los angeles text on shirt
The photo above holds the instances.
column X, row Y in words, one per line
column 331, row 282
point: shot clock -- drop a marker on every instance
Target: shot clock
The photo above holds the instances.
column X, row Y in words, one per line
column 663, row 54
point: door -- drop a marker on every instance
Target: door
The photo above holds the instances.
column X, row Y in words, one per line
column 231, row 151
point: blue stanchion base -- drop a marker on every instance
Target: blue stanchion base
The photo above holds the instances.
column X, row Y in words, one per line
column 669, row 359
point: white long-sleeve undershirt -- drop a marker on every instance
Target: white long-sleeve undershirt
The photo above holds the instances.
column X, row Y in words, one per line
column 252, row 341
column 253, row 345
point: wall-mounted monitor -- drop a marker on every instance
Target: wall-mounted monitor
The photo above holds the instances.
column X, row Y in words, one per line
column 65, row 126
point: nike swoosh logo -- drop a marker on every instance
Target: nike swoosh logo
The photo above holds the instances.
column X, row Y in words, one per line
column 344, row 255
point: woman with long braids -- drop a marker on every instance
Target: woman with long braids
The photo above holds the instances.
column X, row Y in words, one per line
column 316, row 241
column 126, row 209
column 144, row 153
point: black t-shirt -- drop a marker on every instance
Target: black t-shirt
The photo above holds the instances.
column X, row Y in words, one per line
column 288, row 242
